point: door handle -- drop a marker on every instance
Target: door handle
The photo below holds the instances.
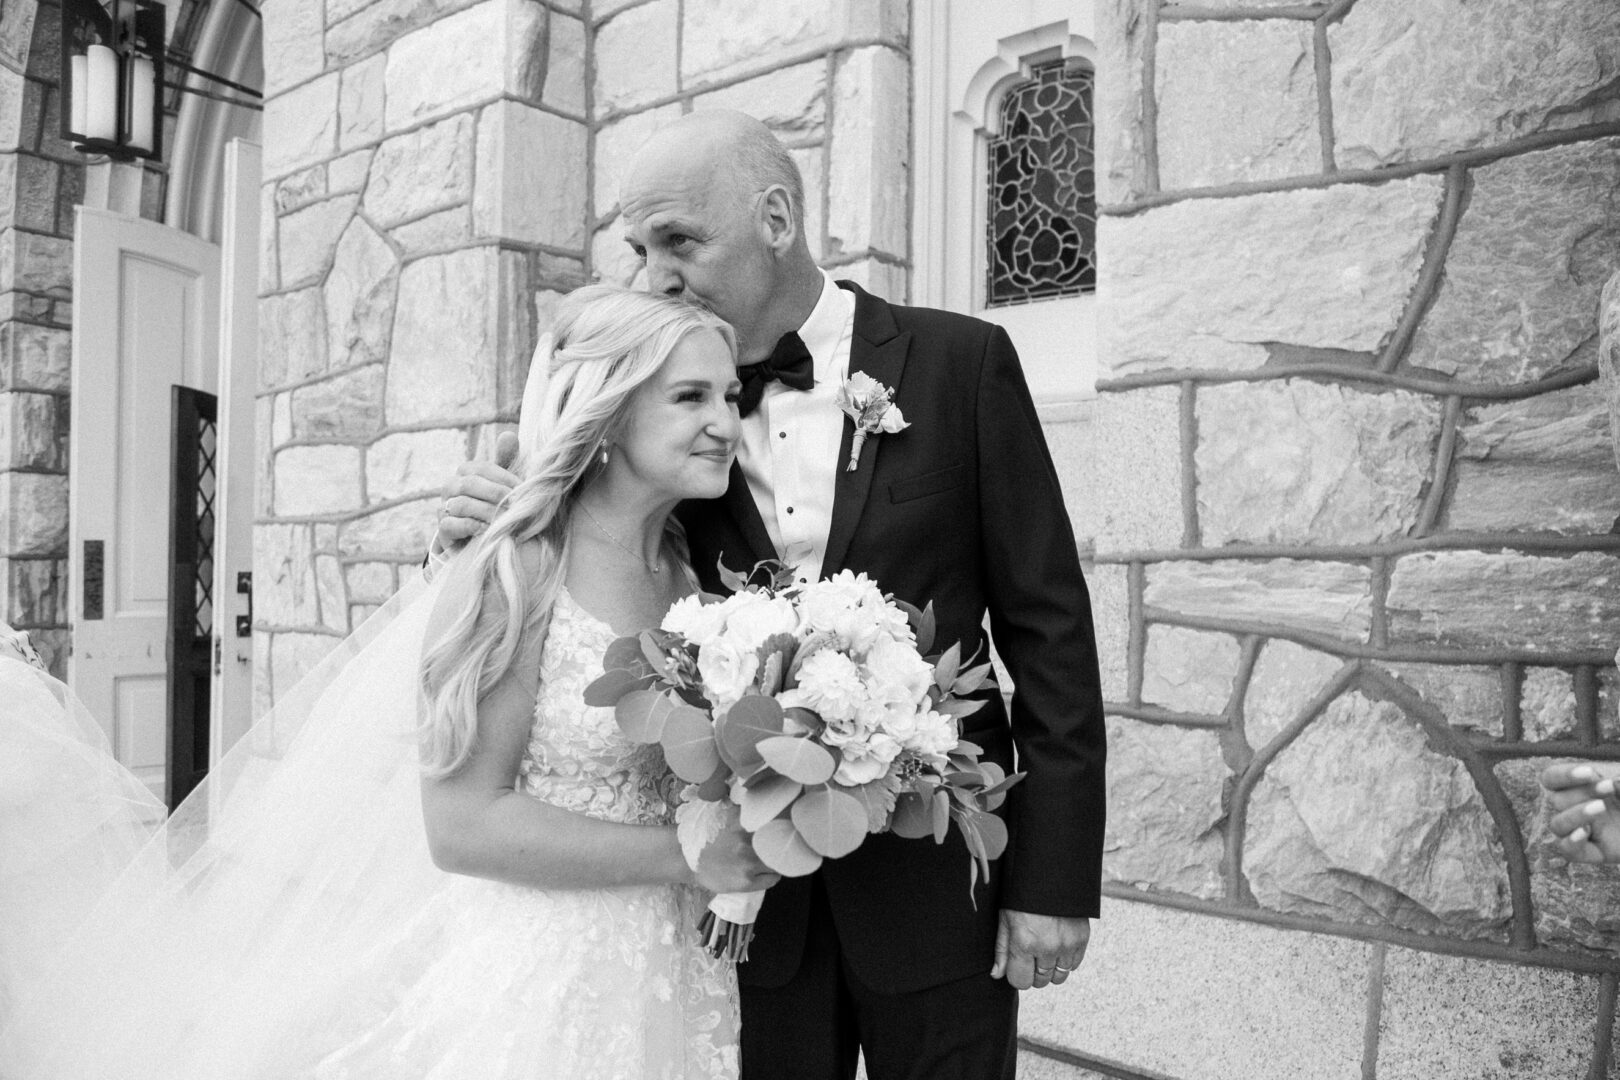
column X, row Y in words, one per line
column 244, row 585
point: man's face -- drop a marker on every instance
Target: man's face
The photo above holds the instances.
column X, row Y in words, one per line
column 701, row 238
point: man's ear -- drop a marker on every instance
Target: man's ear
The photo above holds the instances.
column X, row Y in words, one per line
column 780, row 223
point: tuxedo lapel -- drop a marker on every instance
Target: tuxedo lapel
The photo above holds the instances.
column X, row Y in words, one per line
column 739, row 502
column 879, row 349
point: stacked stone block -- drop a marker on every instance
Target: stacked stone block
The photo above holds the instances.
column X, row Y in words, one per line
column 424, row 194
column 1357, row 578
column 41, row 179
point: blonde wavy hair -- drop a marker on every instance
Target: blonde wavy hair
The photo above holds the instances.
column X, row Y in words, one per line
column 606, row 343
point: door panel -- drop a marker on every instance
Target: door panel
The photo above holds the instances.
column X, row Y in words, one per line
column 145, row 320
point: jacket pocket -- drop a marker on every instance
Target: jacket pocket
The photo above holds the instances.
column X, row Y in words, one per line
column 930, row 483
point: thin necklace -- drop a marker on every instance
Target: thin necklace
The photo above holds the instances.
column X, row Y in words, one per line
column 657, row 568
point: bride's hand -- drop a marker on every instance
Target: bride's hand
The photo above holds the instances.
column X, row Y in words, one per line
column 728, row 864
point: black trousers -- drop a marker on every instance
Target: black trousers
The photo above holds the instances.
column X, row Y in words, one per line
column 814, row 1027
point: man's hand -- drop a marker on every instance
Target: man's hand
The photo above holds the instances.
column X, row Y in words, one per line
column 472, row 498
column 1587, row 817
column 1034, row 950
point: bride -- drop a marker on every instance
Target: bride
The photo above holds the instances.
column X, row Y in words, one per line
column 433, row 860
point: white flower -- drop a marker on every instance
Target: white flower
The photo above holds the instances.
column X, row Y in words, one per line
column 897, row 673
column 862, row 388
column 694, row 620
column 751, row 624
column 893, row 420
column 936, row 734
column 832, row 682
column 853, row 772
column 727, row 672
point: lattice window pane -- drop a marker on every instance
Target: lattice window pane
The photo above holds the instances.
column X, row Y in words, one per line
column 207, row 487
column 1042, row 211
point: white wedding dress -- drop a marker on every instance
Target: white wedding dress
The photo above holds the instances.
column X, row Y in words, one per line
column 294, row 926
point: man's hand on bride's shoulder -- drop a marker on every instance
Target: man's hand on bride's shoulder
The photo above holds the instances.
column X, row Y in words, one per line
column 473, row 496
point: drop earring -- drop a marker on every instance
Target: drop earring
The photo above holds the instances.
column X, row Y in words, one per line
column 603, row 457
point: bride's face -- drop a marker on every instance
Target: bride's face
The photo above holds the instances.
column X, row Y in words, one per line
column 681, row 428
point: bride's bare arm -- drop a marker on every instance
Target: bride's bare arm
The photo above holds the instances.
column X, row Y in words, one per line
column 479, row 823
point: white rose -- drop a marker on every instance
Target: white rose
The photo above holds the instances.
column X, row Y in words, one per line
column 898, row 673
column 727, row 671
column 823, row 603
column 853, row 772
column 751, row 624
column 694, row 620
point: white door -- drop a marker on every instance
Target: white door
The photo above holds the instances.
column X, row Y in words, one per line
column 145, row 318
column 231, row 700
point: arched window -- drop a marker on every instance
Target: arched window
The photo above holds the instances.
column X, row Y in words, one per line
column 1041, row 190
column 1004, row 199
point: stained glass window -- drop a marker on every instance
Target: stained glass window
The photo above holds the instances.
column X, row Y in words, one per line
column 1043, row 194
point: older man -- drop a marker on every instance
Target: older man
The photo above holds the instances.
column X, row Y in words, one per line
column 885, row 952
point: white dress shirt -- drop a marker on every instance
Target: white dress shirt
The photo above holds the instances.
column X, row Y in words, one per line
column 789, row 451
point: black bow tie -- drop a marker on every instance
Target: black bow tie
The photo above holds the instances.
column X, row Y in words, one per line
column 790, row 362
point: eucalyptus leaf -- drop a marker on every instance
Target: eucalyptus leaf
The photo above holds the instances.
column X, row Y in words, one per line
column 801, row 759
column 717, row 786
column 608, row 688
column 780, row 847
column 809, row 721
column 767, row 800
column 641, row 715
column 625, row 654
column 992, row 832
column 741, row 728
column 688, row 742
column 831, row 822
column 913, row 817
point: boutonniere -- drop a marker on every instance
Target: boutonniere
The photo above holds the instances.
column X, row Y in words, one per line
column 871, row 405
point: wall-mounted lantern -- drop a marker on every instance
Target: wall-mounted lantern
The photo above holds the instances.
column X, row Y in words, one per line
column 113, row 64
column 112, row 72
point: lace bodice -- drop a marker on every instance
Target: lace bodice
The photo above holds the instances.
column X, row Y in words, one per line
column 576, row 757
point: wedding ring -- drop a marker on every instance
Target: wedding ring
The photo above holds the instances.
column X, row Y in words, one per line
column 1044, row 973
column 1060, row 967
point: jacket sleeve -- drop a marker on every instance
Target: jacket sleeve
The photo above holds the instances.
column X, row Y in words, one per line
column 1040, row 621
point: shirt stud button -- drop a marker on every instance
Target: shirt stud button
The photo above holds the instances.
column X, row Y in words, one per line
column 790, row 509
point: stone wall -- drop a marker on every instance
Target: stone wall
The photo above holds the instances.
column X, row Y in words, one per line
column 423, row 182
column 1356, row 575
column 437, row 176
column 41, row 179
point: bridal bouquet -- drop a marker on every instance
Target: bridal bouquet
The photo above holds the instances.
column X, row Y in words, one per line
column 811, row 713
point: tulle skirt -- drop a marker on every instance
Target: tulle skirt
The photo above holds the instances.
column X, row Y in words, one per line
column 288, row 921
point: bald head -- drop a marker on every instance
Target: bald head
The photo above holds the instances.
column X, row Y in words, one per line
column 714, row 206
column 728, row 147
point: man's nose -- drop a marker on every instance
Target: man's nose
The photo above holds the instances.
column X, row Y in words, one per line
column 662, row 275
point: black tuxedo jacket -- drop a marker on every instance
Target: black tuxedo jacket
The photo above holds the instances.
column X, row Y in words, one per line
column 962, row 508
